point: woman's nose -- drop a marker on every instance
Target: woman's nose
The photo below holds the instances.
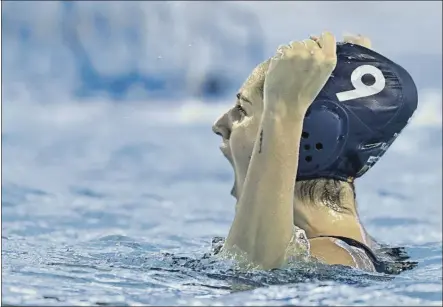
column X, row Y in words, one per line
column 221, row 128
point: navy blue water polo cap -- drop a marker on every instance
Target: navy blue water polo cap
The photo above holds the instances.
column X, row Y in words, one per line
column 360, row 111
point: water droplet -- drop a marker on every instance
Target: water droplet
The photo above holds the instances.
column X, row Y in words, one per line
column 159, row 57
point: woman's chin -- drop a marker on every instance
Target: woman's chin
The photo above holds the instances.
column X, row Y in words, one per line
column 233, row 191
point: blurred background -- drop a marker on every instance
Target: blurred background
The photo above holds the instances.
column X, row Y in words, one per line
column 125, row 50
column 108, row 153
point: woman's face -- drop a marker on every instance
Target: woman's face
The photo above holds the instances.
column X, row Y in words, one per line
column 239, row 126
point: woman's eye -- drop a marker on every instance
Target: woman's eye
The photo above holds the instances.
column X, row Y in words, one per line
column 240, row 109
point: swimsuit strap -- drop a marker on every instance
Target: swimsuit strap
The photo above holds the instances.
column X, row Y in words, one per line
column 386, row 267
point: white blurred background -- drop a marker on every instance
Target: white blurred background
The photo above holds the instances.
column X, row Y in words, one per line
column 135, row 50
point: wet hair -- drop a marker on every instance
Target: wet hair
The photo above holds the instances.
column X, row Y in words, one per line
column 331, row 193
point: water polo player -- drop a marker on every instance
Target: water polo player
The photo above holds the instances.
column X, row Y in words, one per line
column 318, row 114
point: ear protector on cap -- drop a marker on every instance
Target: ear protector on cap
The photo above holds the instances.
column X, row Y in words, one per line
column 360, row 111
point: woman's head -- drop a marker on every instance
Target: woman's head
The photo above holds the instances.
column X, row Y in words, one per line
column 349, row 126
column 239, row 127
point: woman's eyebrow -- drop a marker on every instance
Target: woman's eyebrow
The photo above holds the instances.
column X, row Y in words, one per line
column 240, row 96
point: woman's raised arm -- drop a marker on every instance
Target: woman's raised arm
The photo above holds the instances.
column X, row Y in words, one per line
column 263, row 224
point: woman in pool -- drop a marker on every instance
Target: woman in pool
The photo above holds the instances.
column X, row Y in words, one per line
column 318, row 114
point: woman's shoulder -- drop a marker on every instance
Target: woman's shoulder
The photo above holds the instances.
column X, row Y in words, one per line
column 335, row 251
column 347, row 251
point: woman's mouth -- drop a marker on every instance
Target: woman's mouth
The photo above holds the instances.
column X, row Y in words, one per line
column 224, row 148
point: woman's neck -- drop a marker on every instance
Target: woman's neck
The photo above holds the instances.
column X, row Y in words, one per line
column 329, row 216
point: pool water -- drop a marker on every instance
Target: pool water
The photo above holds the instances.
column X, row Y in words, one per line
column 106, row 204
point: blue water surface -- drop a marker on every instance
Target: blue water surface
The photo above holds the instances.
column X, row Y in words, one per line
column 116, row 204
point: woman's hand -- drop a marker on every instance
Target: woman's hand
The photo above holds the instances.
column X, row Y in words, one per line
column 298, row 72
column 358, row 40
